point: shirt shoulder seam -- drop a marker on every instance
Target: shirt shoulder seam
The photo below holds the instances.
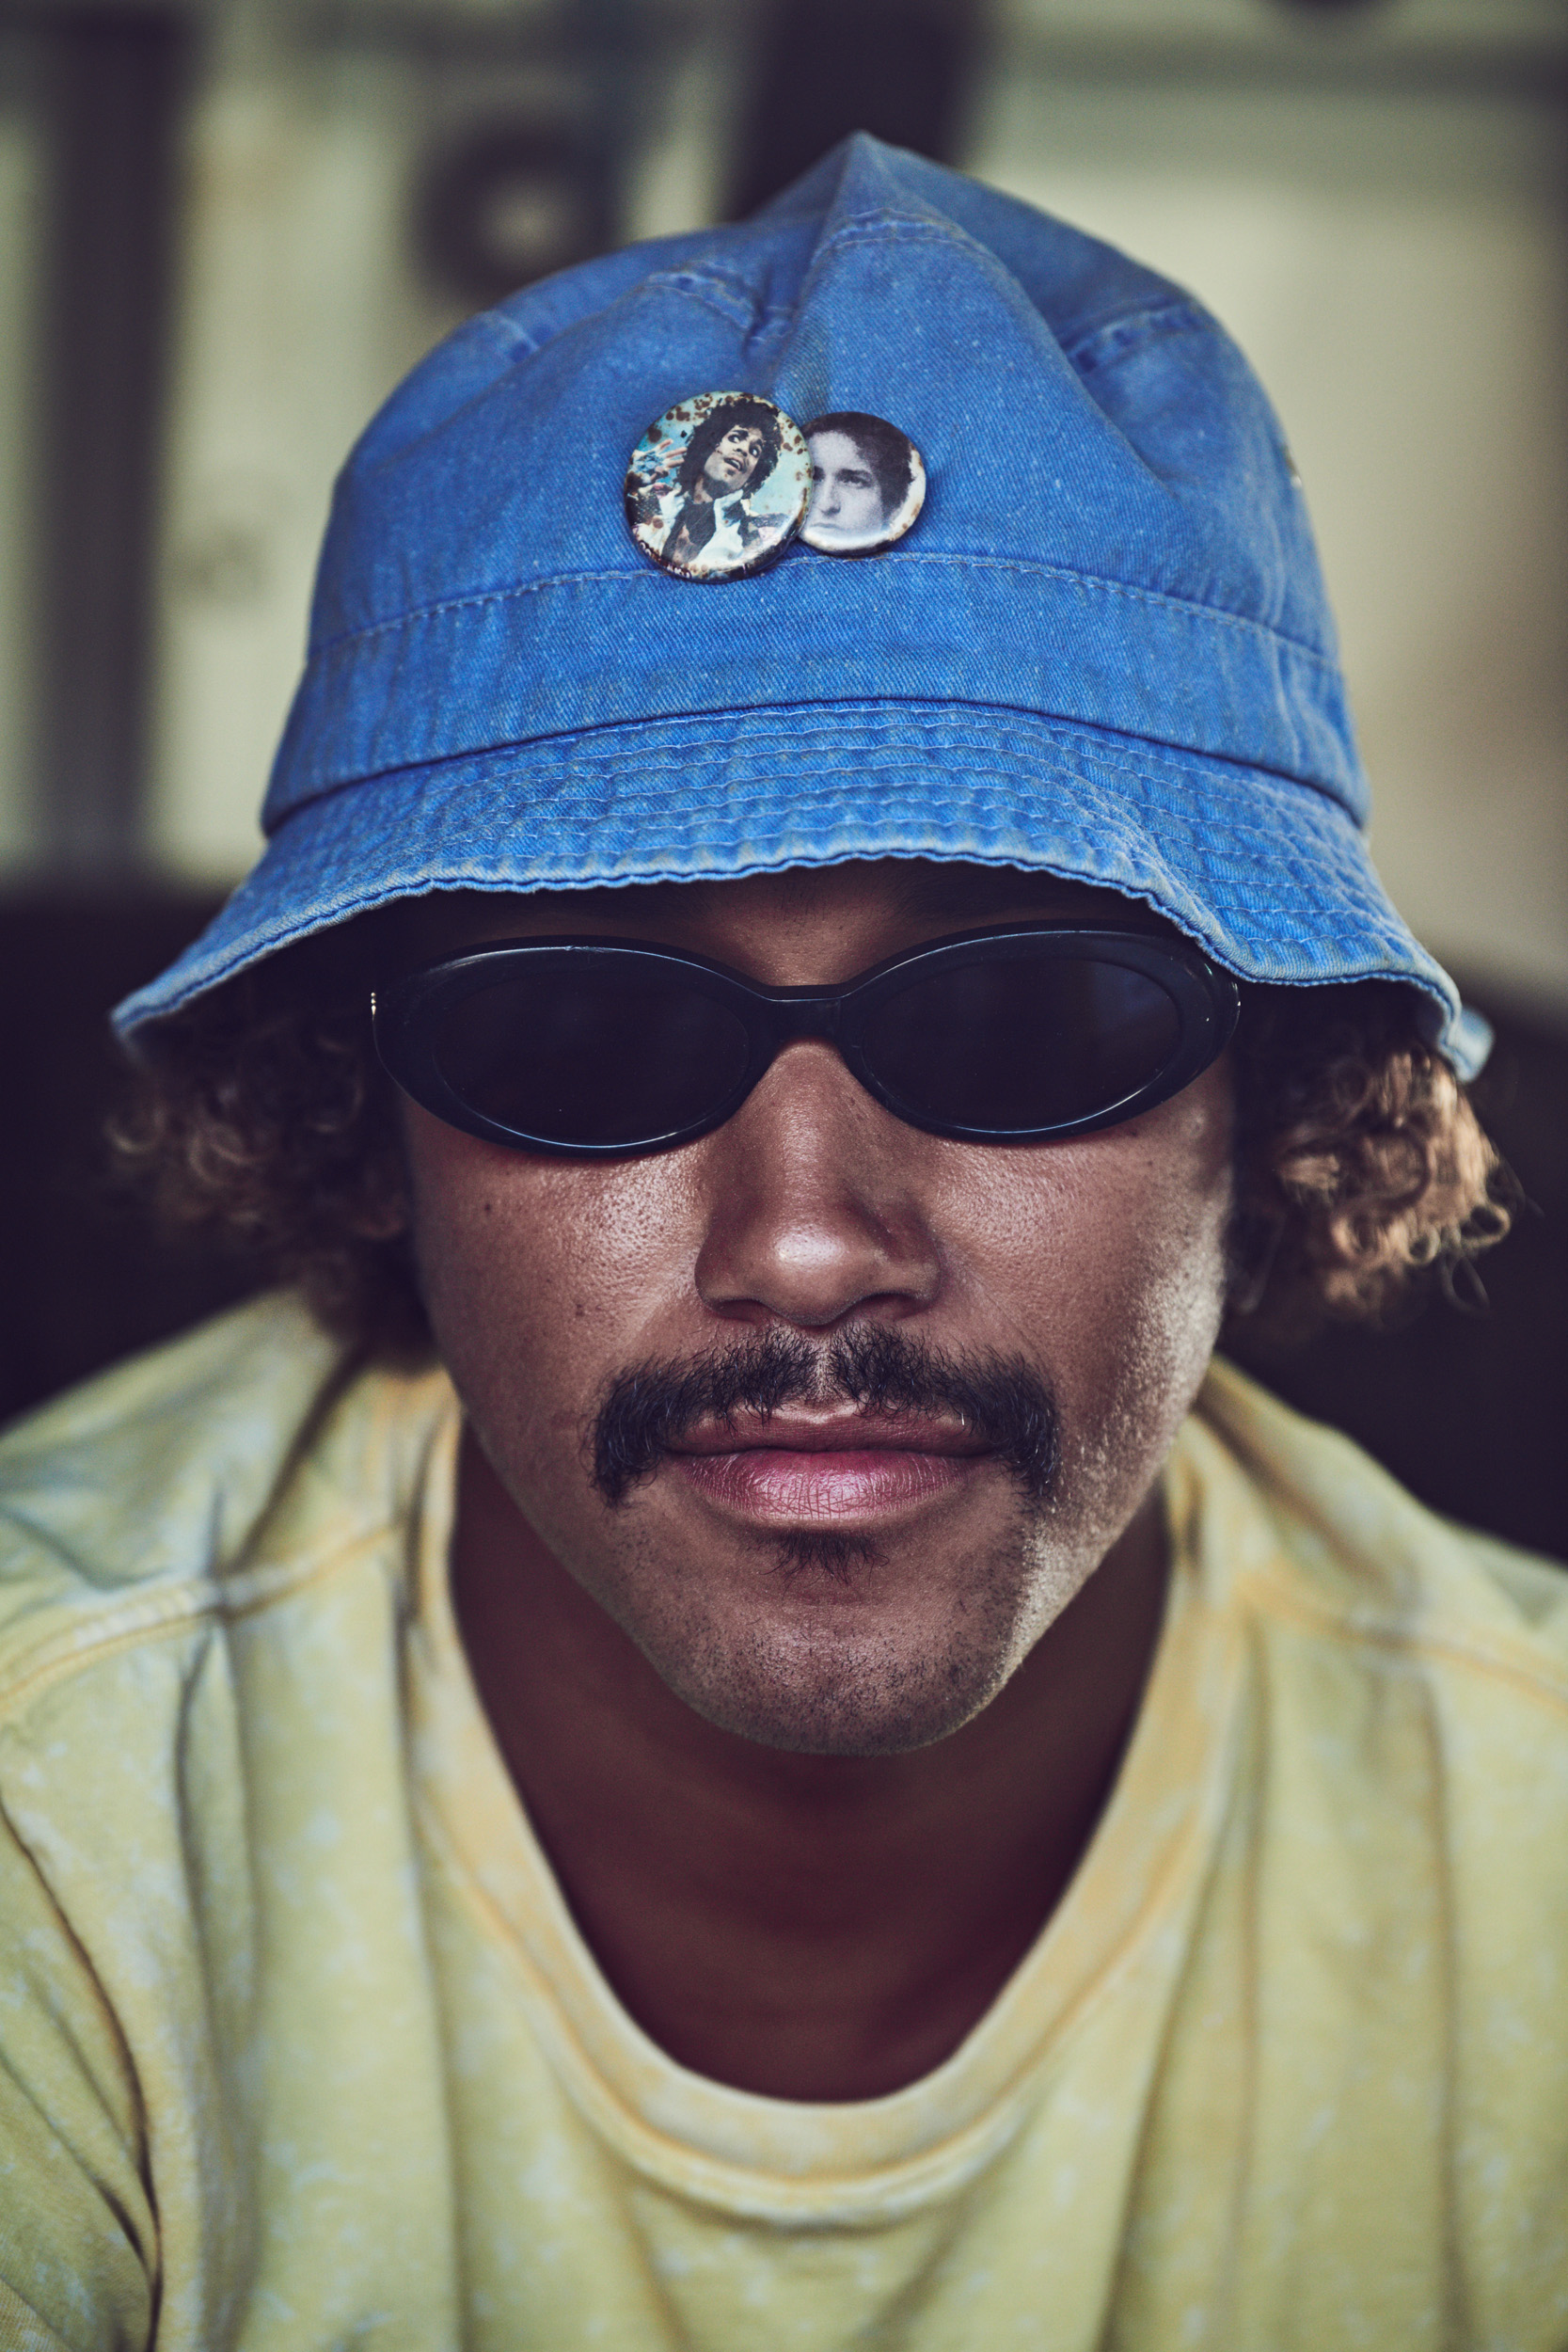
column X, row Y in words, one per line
column 1414, row 1639
column 59, row 1651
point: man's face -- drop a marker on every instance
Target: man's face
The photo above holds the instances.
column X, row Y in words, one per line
column 732, row 460
column 828, row 1577
column 846, row 498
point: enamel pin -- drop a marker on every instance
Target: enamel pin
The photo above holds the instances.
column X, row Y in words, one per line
column 717, row 487
column 869, row 484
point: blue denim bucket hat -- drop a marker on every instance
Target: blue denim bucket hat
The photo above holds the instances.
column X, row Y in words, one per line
column 1104, row 651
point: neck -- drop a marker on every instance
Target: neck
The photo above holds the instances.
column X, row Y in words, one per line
column 768, row 1918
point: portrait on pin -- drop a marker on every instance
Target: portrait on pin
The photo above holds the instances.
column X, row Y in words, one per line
column 718, row 485
column 867, row 483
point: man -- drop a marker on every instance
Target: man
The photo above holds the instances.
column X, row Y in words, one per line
column 703, row 525
column 720, row 1732
column 863, row 472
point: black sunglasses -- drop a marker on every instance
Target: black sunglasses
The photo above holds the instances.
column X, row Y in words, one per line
column 595, row 1046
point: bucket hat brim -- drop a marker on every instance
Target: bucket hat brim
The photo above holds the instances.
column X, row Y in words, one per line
column 1272, row 880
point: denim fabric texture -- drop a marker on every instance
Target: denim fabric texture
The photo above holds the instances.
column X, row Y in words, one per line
column 1104, row 650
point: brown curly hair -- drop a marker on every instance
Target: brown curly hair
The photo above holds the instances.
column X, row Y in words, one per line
column 263, row 1115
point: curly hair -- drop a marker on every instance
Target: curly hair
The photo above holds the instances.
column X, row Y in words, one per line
column 718, row 422
column 263, row 1115
column 260, row 1118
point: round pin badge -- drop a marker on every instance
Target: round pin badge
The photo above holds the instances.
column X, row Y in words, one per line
column 717, row 487
column 869, row 484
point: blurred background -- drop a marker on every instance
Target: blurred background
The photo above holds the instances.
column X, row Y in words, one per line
column 227, row 227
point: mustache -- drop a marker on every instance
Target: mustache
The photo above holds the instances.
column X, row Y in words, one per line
column 1002, row 1401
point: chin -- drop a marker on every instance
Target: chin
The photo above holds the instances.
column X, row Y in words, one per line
column 869, row 1703
column 808, row 1682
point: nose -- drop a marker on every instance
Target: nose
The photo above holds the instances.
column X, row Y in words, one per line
column 815, row 1206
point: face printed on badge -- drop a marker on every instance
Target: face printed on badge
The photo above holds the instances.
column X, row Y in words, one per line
column 869, row 484
column 717, row 487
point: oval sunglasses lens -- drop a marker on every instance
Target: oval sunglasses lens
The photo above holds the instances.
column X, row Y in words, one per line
column 586, row 1054
column 1015, row 1044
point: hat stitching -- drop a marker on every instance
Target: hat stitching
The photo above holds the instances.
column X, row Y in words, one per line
column 1110, row 338
column 804, row 721
column 1111, row 755
column 1106, row 752
column 890, row 229
column 897, row 229
column 1180, row 607
column 499, row 325
column 1108, row 761
column 727, row 294
column 826, row 787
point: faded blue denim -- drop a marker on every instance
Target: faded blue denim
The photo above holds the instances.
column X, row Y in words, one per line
column 1104, row 649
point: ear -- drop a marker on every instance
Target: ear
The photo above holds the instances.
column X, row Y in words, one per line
column 1252, row 1248
column 382, row 1216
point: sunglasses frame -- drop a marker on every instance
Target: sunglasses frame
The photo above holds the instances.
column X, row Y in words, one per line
column 405, row 1018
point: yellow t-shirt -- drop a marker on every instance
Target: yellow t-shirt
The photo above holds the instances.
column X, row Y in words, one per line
column 299, row 2047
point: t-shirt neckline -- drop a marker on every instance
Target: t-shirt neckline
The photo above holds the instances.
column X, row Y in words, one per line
column 795, row 2159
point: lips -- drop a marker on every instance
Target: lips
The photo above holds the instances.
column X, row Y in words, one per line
column 789, row 1471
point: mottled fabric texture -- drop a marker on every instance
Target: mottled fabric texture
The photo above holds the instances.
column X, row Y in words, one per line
column 299, row 2047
